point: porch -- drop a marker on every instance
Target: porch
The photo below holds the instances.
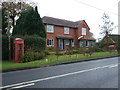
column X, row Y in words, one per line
column 64, row 42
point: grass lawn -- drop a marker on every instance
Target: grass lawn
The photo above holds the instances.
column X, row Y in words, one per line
column 52, row 59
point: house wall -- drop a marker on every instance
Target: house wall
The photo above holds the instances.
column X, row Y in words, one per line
column 83, row 25
column 79, row 31
column 75, row 33
column 59, row 30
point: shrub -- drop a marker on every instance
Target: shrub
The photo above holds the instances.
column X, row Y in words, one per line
column 98, row 49
column 75, row 50
column 50, row 48
column 32, row 56
column 46, row 52
column 5, row 50
column 68, row 52
column 33, row 43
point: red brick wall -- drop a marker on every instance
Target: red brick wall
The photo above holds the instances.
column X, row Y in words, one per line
column 75, row 33
column 83, row 25
column 58, row 30
column 79, row 32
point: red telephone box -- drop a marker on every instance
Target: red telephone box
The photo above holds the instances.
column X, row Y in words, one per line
column 18, row 48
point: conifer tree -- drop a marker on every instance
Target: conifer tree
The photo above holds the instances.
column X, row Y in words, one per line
column 30, row 23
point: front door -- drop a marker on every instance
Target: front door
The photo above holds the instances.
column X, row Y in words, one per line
column 61, row 44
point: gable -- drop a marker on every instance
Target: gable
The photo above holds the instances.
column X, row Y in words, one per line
column 111, row 38
column 84, row 24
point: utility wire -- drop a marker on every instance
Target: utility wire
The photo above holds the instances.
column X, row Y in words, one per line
column 96, row 7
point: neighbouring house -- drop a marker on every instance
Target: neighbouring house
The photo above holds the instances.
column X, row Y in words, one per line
column 111, row 42
column 63, row 34
column 111, row 38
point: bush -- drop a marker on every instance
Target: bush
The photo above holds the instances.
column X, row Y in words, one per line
column 50, row 48
column 5, row 48
column 98, row 49
column 32, row 56
column 68, row 52
column 75, row 51
column 33, row 43
column 46, row 52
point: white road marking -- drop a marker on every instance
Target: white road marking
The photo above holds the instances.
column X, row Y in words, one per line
column 31, row 84
column 58, row 76
column 113, row 66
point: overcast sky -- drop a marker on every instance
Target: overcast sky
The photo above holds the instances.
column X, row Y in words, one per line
column 89, row 10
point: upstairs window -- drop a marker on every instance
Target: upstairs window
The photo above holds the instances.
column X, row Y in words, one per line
column 83, row 31
column 66, row 30
column 50, row 28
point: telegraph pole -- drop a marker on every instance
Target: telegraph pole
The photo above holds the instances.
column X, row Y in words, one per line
column 9, row 33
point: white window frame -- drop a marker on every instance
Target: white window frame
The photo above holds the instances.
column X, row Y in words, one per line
column 84, row 31
column 51, row 42
column 67, row 42
column 72, row 42
column 81, row 43
column 50, row 28
column 87, row 43
column 66, row 30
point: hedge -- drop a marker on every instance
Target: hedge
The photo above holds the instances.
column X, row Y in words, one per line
column 32, row 43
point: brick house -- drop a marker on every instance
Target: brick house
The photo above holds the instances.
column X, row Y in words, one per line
column 111, row 38
column 64, row 34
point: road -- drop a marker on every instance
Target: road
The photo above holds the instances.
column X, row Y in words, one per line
column 102, row 73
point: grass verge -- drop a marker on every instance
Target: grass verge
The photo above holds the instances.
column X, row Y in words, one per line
column 53, row 59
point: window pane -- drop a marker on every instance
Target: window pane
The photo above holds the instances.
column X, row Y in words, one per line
column 83, row 31
column 47, row 41
column 72, row 42
column 50, row 42
column 50, row 28
column 66, row 30
column 66, row 42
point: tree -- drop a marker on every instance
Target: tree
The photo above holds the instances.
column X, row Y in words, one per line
column 30, row 23
column 91, row 34
column 12, row 9
column 0, row 19
column 4, row 21
column 107, row 26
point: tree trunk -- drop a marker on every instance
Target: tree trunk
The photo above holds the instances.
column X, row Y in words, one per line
column 13, row 19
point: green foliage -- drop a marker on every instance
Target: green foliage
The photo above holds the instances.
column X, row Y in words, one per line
column 13, row 9
column 46, row 52
column 97, row 49
column 32, row 56
column 104, row 45
column 50, row 48
column 32, row 43
column 53, row 59
column 75, row 51
column 118, row 46
column 0, row 18
column 29, row 23
column 4, row 21
column 68, row 52
column 5, row 50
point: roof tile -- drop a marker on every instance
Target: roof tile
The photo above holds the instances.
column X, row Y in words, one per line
column 60, row 22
